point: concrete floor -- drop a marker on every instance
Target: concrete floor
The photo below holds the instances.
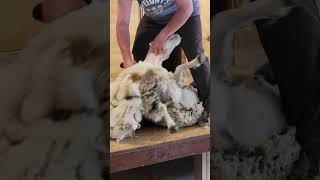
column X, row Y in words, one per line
column 181, row 169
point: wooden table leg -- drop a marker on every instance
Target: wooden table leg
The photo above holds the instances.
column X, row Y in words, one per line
column 202, row 166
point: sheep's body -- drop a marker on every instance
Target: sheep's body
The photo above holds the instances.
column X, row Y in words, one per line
column 162, row 99
column 158, row 96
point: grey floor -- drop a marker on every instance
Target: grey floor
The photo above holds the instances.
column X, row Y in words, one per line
column 181, row 169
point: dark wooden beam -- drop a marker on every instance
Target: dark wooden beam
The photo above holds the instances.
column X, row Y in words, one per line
column 143, row 156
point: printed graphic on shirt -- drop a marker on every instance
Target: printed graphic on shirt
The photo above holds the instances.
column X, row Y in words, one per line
column 153, row 7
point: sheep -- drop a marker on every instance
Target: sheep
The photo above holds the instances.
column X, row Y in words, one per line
column 49, row 123
column 251, row 137
column 261, row 117
column 147, row 90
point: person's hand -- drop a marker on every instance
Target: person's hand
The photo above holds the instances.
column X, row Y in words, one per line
column 52, row 9
column 128, row 62
column 158, row 45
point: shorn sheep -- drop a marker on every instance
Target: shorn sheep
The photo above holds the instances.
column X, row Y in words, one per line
column 250, row 137
column 49, row 108
column 261, row 117
column 148, row 91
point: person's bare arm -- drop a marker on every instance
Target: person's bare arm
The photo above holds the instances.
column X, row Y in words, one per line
column 184, row 11
column 52, row 9
column 122, row 31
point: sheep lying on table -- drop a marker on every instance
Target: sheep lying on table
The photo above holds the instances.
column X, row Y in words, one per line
column 251, row 139
column 147, row 90
column 246, row 108
column 49, row 123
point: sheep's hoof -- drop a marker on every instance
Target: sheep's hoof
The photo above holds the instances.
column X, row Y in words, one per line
column 204, row 120
column 203, row 124
column 173, row 129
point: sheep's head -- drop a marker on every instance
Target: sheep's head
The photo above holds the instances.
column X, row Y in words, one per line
column 173, row 41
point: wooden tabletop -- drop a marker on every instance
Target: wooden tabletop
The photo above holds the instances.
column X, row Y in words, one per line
column 154, row 145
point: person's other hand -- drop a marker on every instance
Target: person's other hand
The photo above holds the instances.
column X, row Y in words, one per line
column 52, row 9
column 158, row 45
column 128, row 62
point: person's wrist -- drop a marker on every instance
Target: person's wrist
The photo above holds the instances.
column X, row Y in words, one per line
column 128, row 60
column 163, row 36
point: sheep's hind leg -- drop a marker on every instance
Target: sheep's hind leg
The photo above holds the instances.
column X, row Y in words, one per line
column 172, row 126
column 179, row 72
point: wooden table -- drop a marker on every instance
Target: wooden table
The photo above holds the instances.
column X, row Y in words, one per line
column 155, row 145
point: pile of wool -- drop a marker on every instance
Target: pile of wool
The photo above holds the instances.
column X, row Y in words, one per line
column 50, row 149
column 55, row 150
column 273, row 160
